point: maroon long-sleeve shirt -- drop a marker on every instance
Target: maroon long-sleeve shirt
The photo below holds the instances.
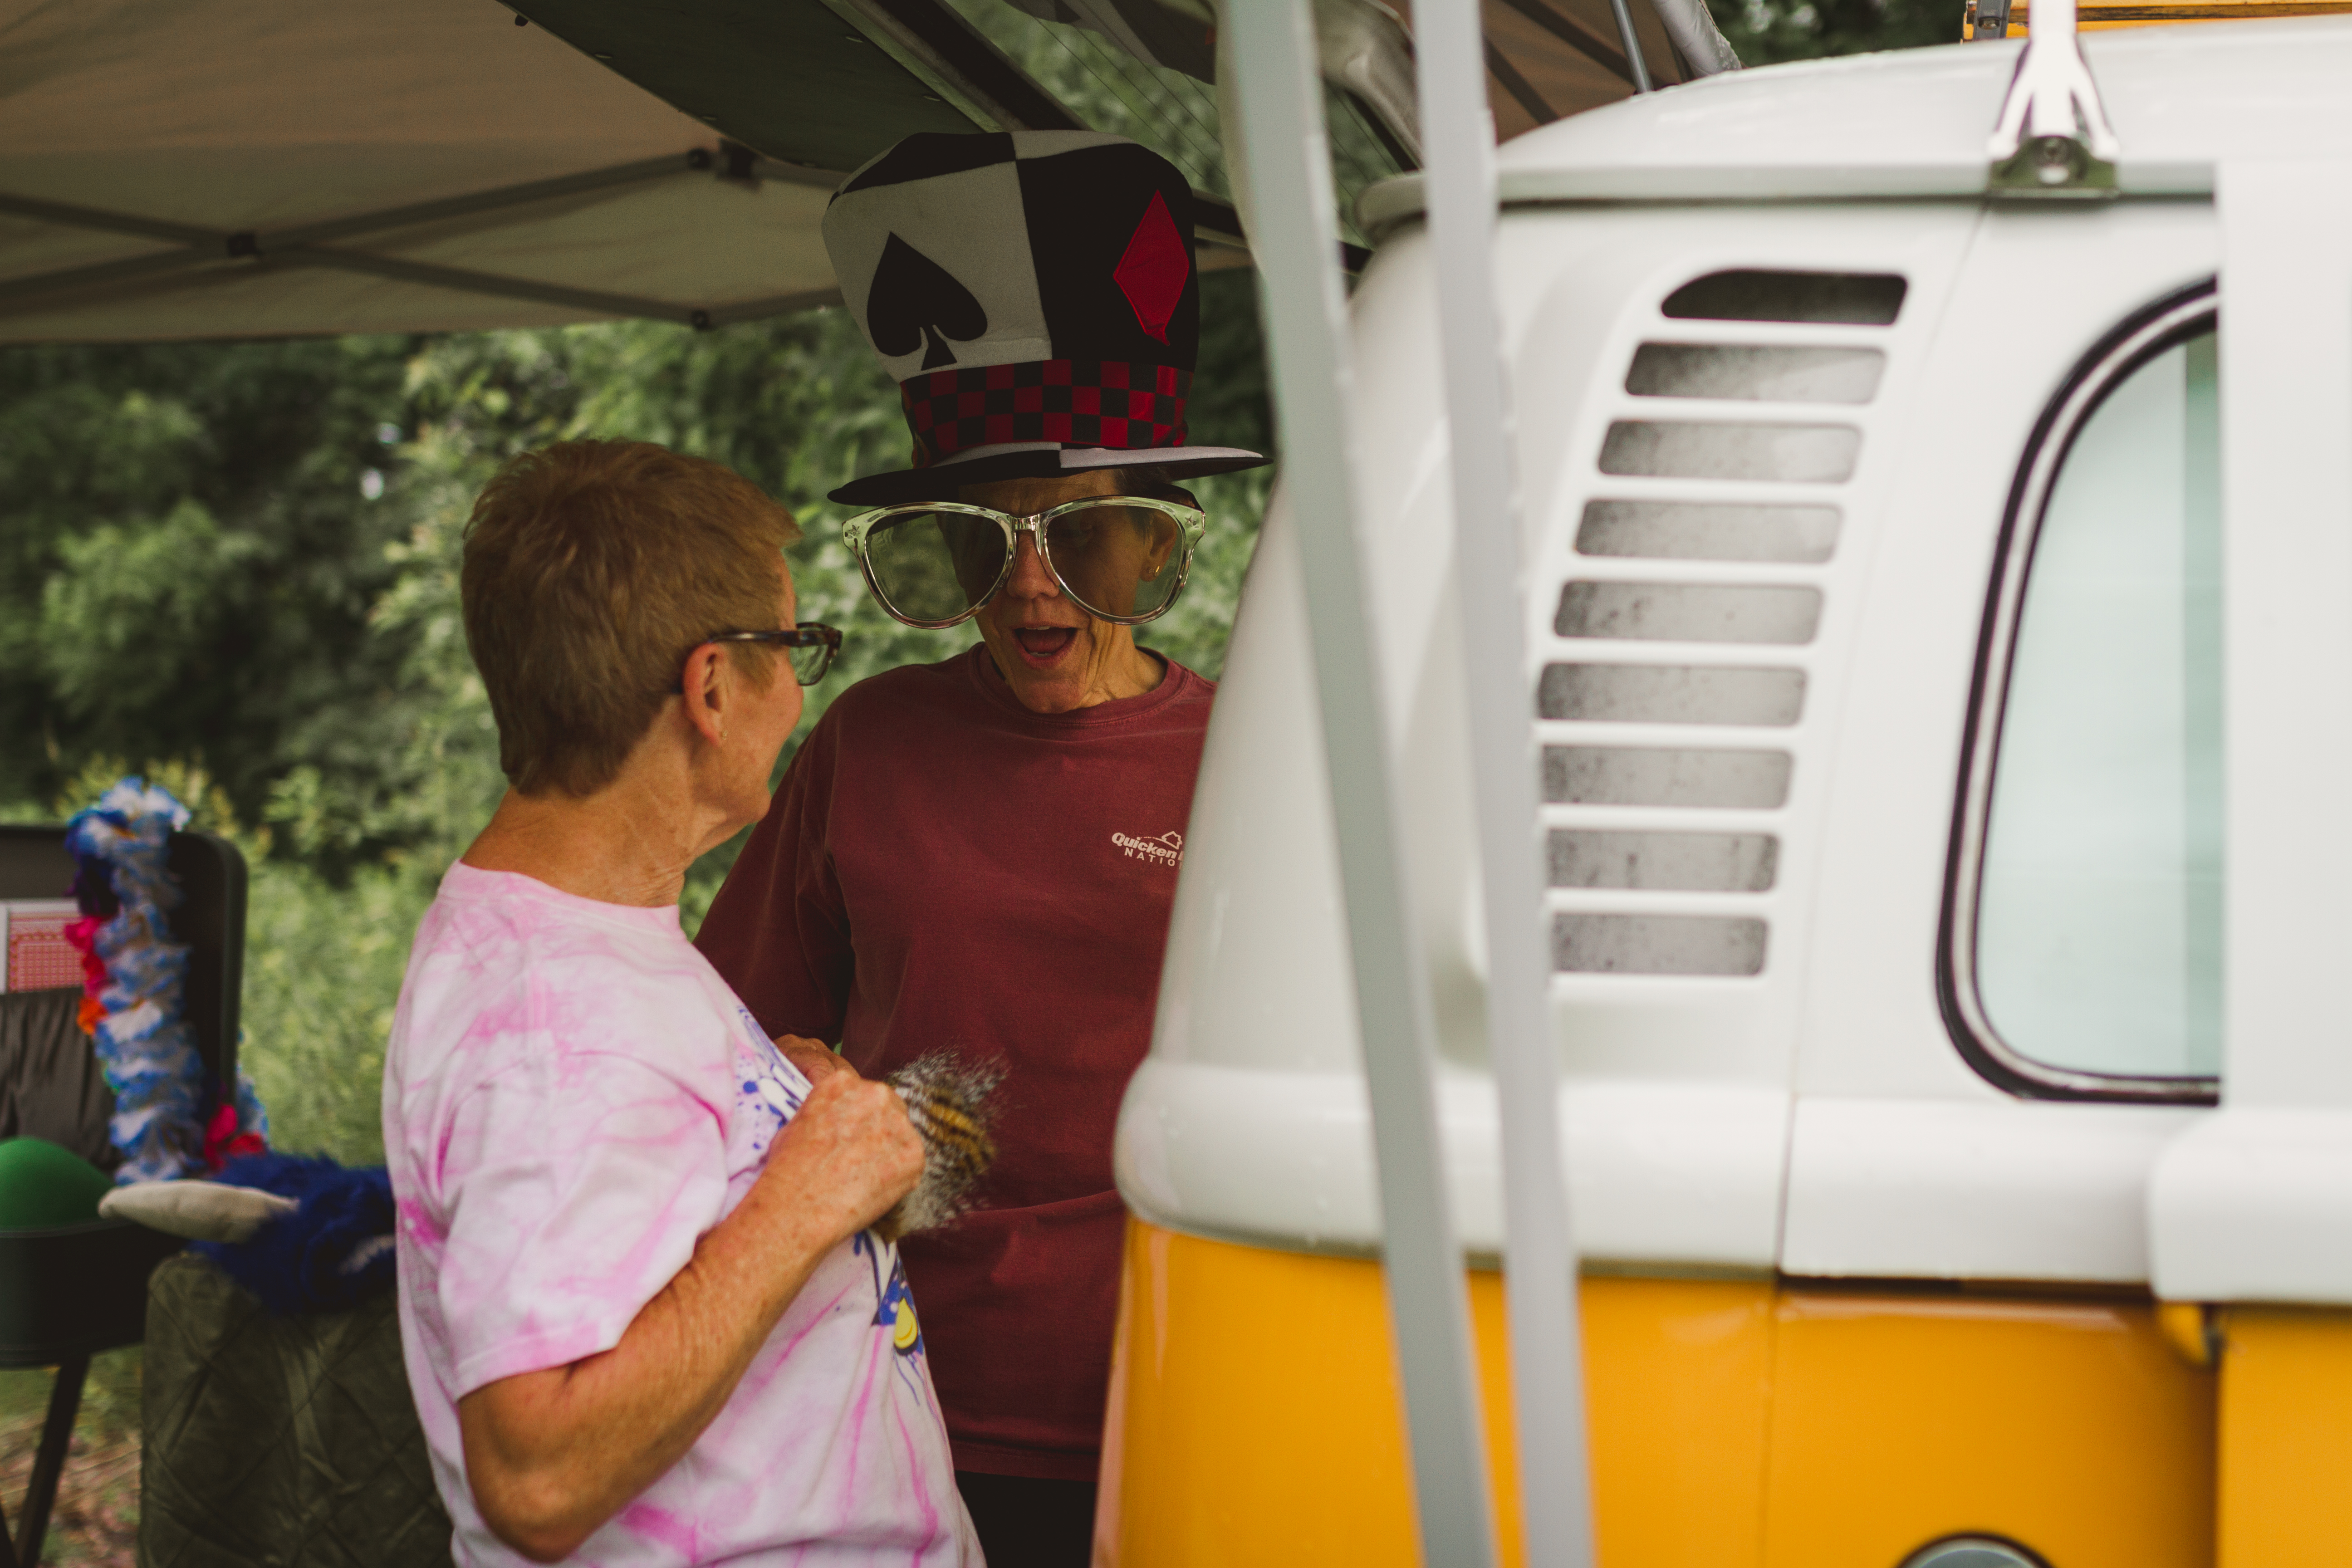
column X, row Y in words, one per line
column 944, row 867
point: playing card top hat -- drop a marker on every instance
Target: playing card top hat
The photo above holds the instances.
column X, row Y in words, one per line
column 1035, row 294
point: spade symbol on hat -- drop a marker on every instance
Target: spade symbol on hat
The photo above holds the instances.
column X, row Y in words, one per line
column 914, row 300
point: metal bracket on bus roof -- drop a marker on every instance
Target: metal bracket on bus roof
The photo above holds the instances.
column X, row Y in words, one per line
column 2052, row 138
column 1981, row 19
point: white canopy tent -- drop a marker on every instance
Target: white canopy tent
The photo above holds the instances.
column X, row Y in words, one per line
column 178, row 169
column 238, row 168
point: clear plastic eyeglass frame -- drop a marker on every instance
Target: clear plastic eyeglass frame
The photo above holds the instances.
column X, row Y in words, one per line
column 1190, row 520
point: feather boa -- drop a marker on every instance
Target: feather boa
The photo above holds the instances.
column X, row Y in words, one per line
column 164, row 1123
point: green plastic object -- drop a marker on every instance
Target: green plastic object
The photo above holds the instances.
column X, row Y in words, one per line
column 45, row 1187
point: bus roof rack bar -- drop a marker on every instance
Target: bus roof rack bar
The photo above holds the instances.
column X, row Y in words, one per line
column 1490, row 574
column 1288, row 172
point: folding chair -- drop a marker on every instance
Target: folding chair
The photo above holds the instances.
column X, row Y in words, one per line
column 69, row 1292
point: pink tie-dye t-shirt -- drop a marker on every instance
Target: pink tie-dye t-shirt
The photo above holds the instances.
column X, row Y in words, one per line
column 572, row 1098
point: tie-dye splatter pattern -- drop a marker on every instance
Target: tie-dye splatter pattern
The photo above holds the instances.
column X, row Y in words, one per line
column 572, row 1098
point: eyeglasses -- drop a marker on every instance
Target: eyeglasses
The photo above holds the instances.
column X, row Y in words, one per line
column 1121, row 559
column 812, row 647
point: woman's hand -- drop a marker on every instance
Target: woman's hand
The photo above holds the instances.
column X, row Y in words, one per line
column 816, row 1060
column 847, row 1157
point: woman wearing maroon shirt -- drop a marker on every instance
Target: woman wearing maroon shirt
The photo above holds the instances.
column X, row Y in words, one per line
column 982, row 854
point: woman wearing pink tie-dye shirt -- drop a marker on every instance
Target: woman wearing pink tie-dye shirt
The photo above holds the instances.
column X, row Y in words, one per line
column 645, row 1320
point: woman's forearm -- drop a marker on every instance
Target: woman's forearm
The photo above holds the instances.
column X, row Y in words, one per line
column 550, row 1455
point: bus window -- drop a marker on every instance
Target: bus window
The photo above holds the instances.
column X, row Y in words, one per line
column 2096, row 954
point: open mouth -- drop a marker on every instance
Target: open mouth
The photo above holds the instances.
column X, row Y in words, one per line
column 1045, row 645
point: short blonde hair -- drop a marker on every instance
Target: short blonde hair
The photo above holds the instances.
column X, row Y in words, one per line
column 592, row 569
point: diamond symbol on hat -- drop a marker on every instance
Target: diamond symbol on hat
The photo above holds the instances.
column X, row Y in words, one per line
column 1153, row 271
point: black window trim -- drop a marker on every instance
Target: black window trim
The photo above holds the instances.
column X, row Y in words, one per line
column 2174, row 319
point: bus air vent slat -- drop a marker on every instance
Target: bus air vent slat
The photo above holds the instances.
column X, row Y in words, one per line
column 1674, row 862
column 1672, row 694
column 1709, row 531
column 1657, row 944
column 1706, row 449
column 1689, row 777
column 1762, row 372
column 1844, row 299
column 1688, row 612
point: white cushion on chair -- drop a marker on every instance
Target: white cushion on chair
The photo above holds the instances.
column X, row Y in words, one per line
column 201, row 1211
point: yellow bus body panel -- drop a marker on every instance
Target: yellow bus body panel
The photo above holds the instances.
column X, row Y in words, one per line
column 1734, row 1423
column 2099, row 15
column 2096, row 18
column 2286, row 1438
column 2068, row 1424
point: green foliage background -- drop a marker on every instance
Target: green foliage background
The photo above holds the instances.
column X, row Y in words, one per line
column 1766, row 32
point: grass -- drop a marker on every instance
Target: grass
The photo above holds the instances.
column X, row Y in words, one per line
column 323, row 966
column 96, row 1518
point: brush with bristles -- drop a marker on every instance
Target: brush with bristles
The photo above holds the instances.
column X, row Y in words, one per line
column 947, row 1100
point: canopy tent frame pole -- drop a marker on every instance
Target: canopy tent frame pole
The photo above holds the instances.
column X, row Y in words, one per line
column 698, row 160
column 303, row 246
column 701, row 318
column 1283, row 145
column 1539, row 1265
column 1520, row 89
column 1623, row 13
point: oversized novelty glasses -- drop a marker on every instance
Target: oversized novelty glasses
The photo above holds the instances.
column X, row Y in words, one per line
column 1119, row 558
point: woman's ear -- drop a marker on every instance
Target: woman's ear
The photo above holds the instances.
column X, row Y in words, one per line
column 705, row 689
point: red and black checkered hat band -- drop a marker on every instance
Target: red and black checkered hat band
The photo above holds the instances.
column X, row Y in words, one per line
column 1073, row 403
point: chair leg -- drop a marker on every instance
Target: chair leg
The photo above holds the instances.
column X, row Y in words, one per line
column 49, row 1462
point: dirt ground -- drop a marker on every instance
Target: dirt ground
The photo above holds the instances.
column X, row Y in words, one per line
column 95, row 1523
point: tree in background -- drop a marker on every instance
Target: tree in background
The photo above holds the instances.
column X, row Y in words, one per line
column 189, row 566
column 1767, row 32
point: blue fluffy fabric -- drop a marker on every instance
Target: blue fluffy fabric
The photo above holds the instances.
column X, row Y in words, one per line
column 334, row 1252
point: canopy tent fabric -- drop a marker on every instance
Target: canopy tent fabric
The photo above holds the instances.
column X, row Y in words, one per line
column 243, row 168
column 1553, row 59
column 178, row 169
column 1546, row 59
